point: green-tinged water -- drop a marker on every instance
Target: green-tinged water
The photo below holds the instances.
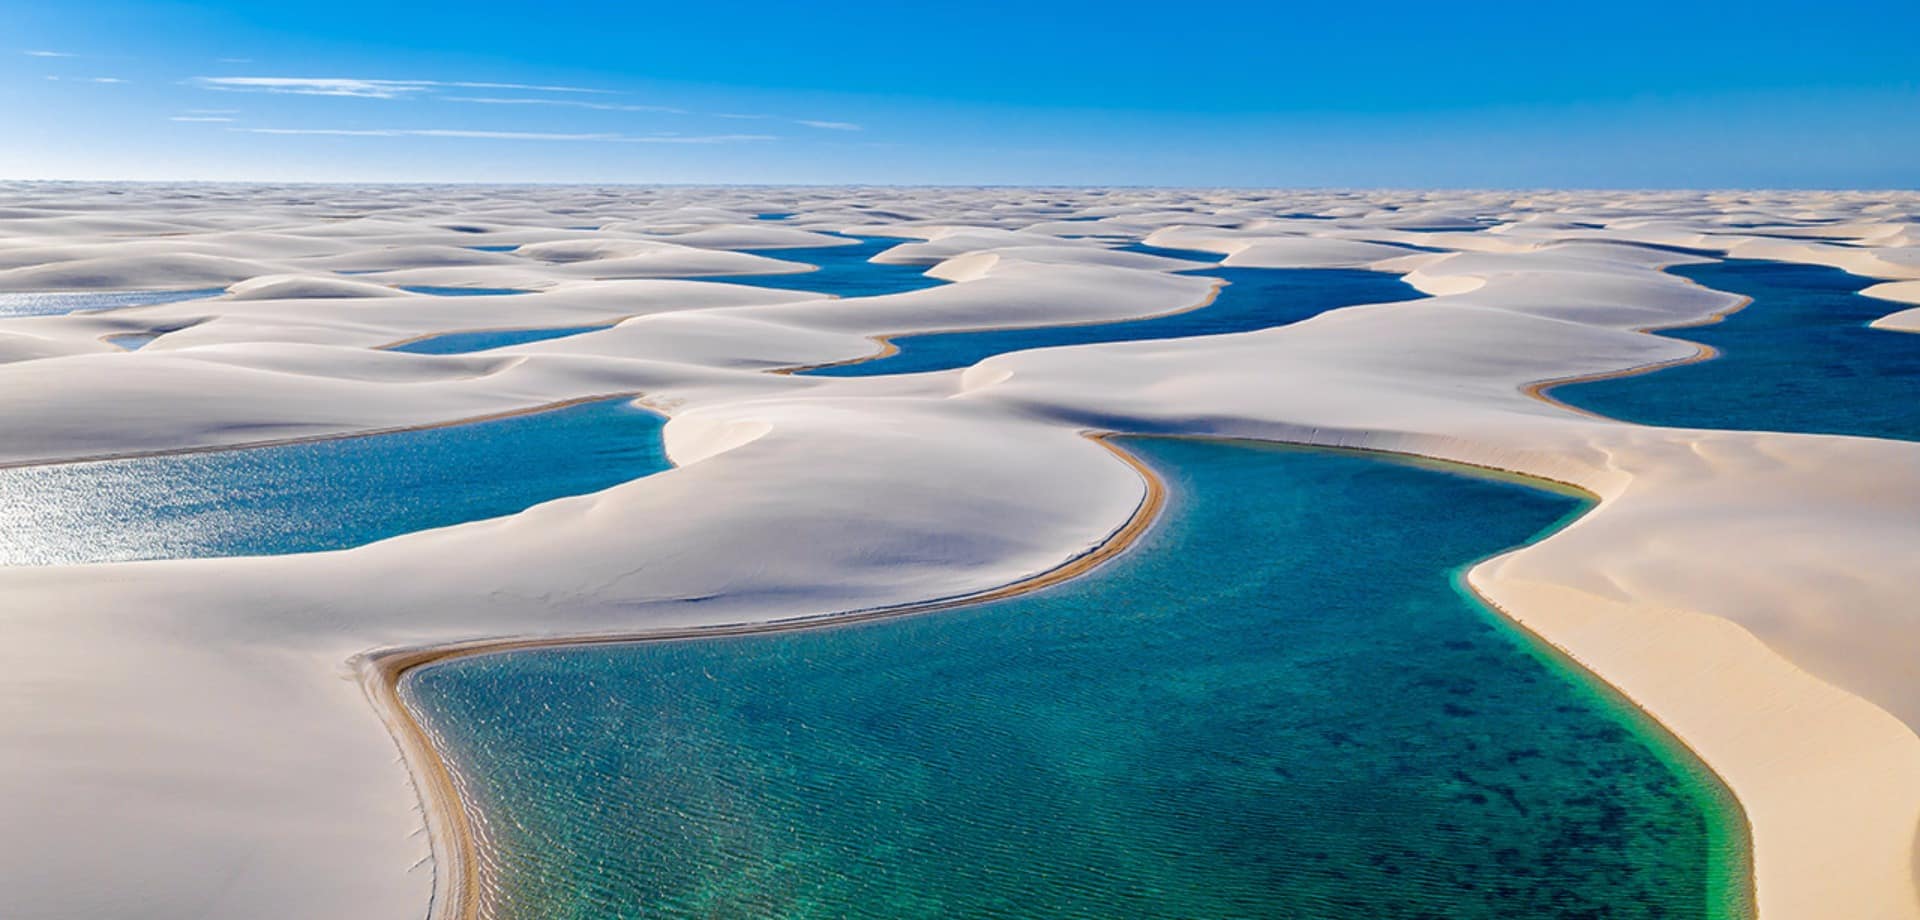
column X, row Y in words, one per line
column 1279, row 705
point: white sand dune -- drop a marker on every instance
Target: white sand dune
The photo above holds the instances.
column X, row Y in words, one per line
column 196, row 744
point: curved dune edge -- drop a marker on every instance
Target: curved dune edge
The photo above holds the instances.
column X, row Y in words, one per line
column 1675, row 688
column 1681, row 667
column 1821, row 776
column 448, row 820
column 1687, row 673
column 1543, row 390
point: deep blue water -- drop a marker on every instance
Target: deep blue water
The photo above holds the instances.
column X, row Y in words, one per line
column 57, row 304
column 1191, row 255
column 439, row 291
column 507, row 248
column 1279, row 706
column 459, row 343
column 319, row 495
column 1800, row 358
column 1254, row 298
column 843, row 271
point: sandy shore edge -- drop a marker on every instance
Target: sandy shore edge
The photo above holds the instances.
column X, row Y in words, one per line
column 450, row 823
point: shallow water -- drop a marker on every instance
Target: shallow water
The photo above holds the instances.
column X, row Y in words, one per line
column 57, row 304
column 460, row 343
column 134, row 341
column 1800, row 358
column 842, row 271
column 319, row 495
column 1253, row 298
column 1279, row 706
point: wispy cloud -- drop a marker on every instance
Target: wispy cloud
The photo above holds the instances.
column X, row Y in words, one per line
column 433, row 132
column 106, row 80
column 568, row 103
column 514, row 135
column 42, row 53
column 438, row 90
column 365, row 88
column 537, row 88
column 808, row 122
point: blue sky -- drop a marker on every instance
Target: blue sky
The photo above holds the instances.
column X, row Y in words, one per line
column 1404, row 94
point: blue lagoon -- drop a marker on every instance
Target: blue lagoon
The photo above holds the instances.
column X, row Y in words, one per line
column 460, row 343
column 1281, row 704
column 322, row 494
column 1800, row 357
column 1253, row 298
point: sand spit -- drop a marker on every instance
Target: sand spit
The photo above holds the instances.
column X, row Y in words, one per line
column 1752, row 590
column 449, row 823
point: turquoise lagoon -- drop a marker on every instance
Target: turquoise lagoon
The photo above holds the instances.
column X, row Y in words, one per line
column 1281, row 705
column 1799, row 358
column 319, row 495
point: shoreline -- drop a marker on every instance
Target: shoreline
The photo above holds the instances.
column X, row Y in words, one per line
column 1542, row 389
column 449, row 823
column 1742, row 880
